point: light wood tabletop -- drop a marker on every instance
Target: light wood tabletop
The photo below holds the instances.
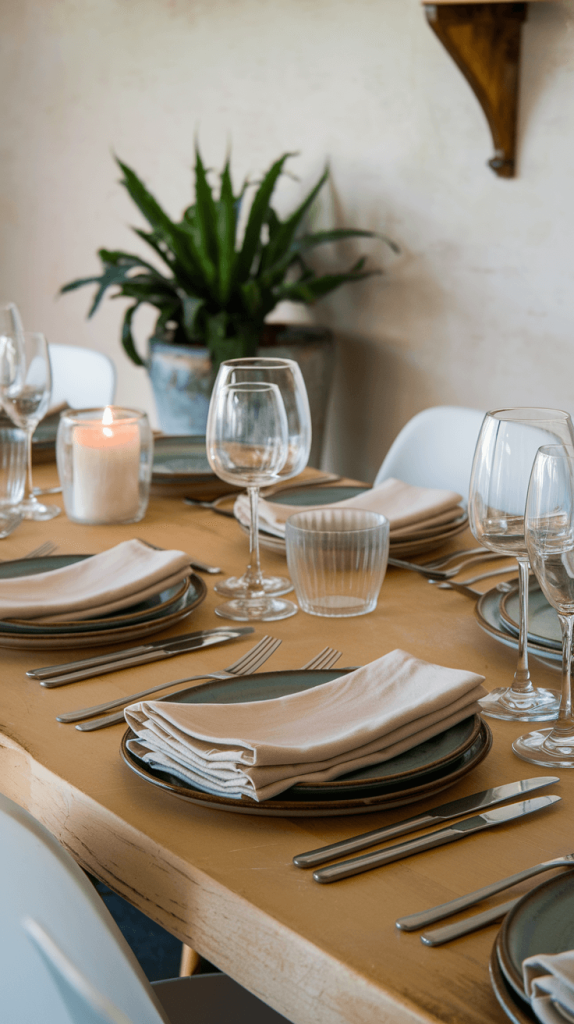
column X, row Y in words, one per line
column 224, row 883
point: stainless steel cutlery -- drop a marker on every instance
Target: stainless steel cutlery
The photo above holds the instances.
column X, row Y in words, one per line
column 453, row 809
column 450, row 834
column 438, row 936
column 57, row 675
column 444, row 574
column 250, row 661
column 415, row 921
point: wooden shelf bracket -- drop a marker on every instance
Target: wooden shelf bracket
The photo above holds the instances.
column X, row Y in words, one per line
column 484, row 41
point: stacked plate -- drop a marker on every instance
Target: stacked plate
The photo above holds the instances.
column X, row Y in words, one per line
column 181, row 467
column 497, row 613
column 156, row 613
column 410, row 543
column 541, row 922
column 414, row 775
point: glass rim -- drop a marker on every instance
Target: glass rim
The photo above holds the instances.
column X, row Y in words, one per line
column 382, row 521
column 528, row 412
column 557, row 451
column 251, row 362
column 250, row 385
column 83, row 415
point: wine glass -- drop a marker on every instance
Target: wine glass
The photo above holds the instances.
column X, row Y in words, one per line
column 287, row 376
column 505, row 451
column 247, row 444
column 10, row 319
column 25, row 388
column 549, row 528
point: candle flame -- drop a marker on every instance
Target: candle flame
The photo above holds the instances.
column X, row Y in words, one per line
column 108, row 418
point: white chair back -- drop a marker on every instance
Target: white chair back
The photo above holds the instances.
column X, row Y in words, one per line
column 435, row 449
column 81, row 377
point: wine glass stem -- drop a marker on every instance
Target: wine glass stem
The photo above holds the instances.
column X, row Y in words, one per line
column 522, row 682
column 564, row 723
column 253, row 577
column 30, row 428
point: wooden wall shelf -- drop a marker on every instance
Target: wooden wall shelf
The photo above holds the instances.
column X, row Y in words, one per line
column 483, row 38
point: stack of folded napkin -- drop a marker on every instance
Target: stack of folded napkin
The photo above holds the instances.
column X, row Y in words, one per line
column 123, row 576
column 549, row 980
column 261, row 748
column 409, row 509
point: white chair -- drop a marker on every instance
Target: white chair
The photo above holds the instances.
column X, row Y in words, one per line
column 64, row 961
column 81, row 377
column 435, row 449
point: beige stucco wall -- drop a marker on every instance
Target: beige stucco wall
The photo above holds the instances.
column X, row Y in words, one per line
column 479, row 308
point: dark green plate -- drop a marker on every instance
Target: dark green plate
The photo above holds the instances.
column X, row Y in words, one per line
column 543, row 622
column 171, row 600
column 517, row 1009
column 541, row 922
column 410, row 776
column 179, row 460
column 316, row 495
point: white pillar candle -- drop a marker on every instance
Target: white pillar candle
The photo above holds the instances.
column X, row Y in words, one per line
column 106, row 465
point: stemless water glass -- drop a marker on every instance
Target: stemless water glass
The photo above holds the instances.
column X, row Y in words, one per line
column 550, row 540
column 247, row 444
column 505, row 452
column 25, row 388
column 287, row 376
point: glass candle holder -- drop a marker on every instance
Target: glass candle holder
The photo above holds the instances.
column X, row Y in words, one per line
column 105, row 461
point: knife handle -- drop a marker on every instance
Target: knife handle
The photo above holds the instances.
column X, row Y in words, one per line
column 356, row 843
column 356, row 865
column 70, row 666
column 108, row 666
column 102, row 723
column 438, row 936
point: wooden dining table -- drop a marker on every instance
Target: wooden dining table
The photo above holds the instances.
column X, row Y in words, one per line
column 225, row 883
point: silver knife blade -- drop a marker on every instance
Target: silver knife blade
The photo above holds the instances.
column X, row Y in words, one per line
column 128, row 652
column 453, row 809
column 443, row 835
column 141, row 659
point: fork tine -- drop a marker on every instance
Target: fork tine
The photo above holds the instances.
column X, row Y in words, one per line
column 325, row 659
column 256, row 657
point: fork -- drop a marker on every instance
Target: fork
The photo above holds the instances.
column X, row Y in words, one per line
column 40, row 552
column 249, row 662
column 325, row 659
column 444, row 574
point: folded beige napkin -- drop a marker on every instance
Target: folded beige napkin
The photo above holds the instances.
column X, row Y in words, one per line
column 261, row 748
column 407, row 508
column 114, row 579
column 549, row 979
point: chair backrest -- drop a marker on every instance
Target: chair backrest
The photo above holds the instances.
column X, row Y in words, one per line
column 435, row 449
column 81, row 377
column 62, row 957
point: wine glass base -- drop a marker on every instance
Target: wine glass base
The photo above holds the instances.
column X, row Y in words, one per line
column 237, row 587
column 532, row 747
column 256, row 610
column 30, row 508
column 540, row 705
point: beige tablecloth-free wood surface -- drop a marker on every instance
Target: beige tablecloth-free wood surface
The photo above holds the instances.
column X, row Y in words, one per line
column 225, row 883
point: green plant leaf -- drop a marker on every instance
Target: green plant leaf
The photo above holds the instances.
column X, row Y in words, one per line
column 127, row 337
column 191, row 306
column 311, row 290
column 285, row 233
column 205, row 215
column 226, row 213
column 258, row 216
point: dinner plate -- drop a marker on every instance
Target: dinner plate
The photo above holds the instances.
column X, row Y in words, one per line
column 118, row 627
column 517, row 1009
column 487, row 611
column 543, row 622
column 541, row 922
column 180, row 459
column 422, row 771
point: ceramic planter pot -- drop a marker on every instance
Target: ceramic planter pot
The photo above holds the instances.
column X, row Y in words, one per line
column 182, row 378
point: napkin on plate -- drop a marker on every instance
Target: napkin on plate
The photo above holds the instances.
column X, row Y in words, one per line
column 549, row 979
column 123, row 576
column 261, row 748
column 407, row 508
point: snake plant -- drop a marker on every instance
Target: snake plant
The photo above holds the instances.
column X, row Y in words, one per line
column 219, row 279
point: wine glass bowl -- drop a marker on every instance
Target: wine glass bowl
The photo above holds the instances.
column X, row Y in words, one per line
column 287, row 376
column 549, row 531
column 25, row 389
column 247, row 444
column 506, row 449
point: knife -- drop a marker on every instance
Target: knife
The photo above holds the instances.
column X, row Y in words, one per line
column 454, row 809
column 444, row 835
column 159, row 654
column 128, row 652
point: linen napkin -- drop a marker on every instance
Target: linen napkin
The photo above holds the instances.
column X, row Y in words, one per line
column 123, row 576
column 408, row 508
column 549, row 979
column 261, row 748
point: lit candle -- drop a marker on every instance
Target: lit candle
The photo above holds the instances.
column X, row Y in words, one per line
column 106, row 467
